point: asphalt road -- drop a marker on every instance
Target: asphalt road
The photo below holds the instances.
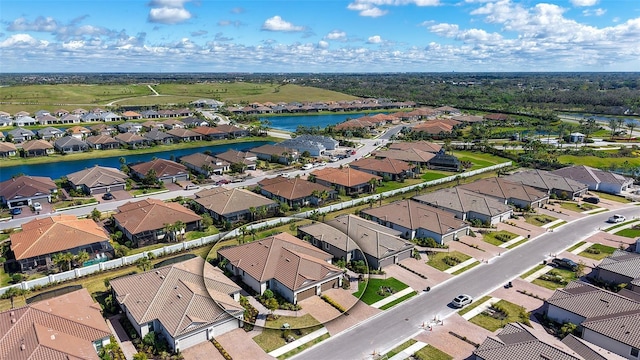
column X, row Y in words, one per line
column 392, row 327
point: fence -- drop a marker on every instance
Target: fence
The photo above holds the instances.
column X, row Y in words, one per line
column 173, row 248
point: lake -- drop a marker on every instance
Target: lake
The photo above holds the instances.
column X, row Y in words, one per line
column 290, row 123
column 63, row 168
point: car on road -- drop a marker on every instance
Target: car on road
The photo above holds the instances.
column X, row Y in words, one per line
column 191, row 187
column 307, row 166
column 107, row 196
column 592, row 200
column 462, row 300
column 222, row 182
column 16, row 211
column 333, row 159
column 37, row 206
column 565, row 263
column 616, row 218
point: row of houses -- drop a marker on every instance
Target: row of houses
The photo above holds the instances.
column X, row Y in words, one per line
column 62, row 116
column 335, row 106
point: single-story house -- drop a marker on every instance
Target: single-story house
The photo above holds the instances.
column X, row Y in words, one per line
column 291, row 267
column 159, row 137
column 416, row 220
column 171, row 123
column 296, row 191
column 561, row 186
column 184, row 135
column 69, row 119
column 49, row 133
column 131, row 115
column 188, row 302
column 210, row 132
column 353, row 238
column 205, row 164
column 314, row 144
column 274, row 153
column 103, row 129
column 78, row 132
column 248, row 159
column 41, row 239
column 133, row 140
column 622, row 267
column 152, row 125
column 68, row 326
column 192, row 122
column 576, row 137
column 422, row 145
column 414, row 156
column 515, row 193
column 145, row 222
column 232, row 130
column 70, row 144
column 445, row 162
column 24, row 121
column 208, row 103
column 20, row 135
column 24, row 190
column 613, row 332
column 596, row 179
column 130, row 127
column 8, row 149
column 166, row 171
column 387, row 168
column 102, row 142
column 468, row 205
column 37, row 148
column 98, row 180
column 351, row 180
column 234, row 205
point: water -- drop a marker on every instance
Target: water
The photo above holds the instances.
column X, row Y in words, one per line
column 599, row 118
column 290, row 123
column 63, row 168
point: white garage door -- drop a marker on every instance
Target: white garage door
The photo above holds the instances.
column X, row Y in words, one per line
column 192, row 340
column 225, row 327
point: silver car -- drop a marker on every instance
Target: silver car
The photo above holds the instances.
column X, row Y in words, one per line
column 462, row 300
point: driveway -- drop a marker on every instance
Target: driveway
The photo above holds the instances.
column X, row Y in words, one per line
column 205, row 350
column 441, row 338
column 239, row 345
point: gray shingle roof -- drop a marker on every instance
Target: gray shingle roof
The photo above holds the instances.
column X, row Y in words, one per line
column 622, row 262
column 588, row 301
column 623, row 327
column 465, row 201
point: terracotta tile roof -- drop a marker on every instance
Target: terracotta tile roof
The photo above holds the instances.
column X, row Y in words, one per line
column 347, row 177
column 97, row 176
column 588, row 301
column 26, row 186
column 183, row 297
column 224, row 201
column 130, row 137
column 63, row 327
column 464, row 201
column 101, row 139
column 152, row 214
column 269, row 149
column 409, row 155
column 226, row 128
column 55, row 234
column 78, row 130
column 291, row 189
column 505, row 189
column 433, row 127
column 237, row 157
column 545, row 180
column 6, row 147
column 183, row 133
column 207, row 130
column 354, row 124
column 162, row 167
column 413, row 215
column 420, row 145
column 623, row 263
column 130, row 114
column 623, row 327
column 291, row 261
column 386, row 165
column 36, row 145
column 201, row 160
column 496, row 117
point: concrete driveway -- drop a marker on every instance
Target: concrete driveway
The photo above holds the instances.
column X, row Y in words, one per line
column 239, row 345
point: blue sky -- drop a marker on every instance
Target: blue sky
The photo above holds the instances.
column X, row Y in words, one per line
column 319, row 35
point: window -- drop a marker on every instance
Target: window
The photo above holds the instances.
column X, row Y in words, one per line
column 635, row 352
column 326, row 246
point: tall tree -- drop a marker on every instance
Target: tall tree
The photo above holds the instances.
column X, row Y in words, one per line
column 82, row 257
column 631, row 124
column 143, row 263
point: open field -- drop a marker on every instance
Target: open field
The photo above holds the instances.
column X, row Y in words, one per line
column 598, row 162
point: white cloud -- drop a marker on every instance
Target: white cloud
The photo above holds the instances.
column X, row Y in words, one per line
column 21, row 41
column 43, row 24
column 234, row 23
column 73, row 45
column 594, row 12
column 336, row 35
column 584, row 2
column 168, row 15
column 371, row 8
column 375, row 39
column 276, row 23
column 323, row 44
column 168, row 3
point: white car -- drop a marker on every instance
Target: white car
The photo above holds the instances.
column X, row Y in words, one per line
column 37, row 206
column 617, row 219
column 462, row 300
column 307, row 167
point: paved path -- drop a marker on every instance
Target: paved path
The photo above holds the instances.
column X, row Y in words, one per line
column 581, row 248
column 598, row 209
column 512, row 241
column 121, row 337
column 409, row 351
column 625, row 226
column 537, row 274
column 548, row 225
column 453, row 269
column 392, row 298
column 480, row 308
column 294, row 344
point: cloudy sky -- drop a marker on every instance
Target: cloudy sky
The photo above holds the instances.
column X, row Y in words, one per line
column 319, row 35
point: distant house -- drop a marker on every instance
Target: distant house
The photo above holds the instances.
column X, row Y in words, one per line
column 41, row 239
column 98, row 180
column 166, row 171
column 425, row 146
column 416, row 220
column 496, row 117
column 233, row 205
column 352, row 181
column 561, row 186
column 296, row 191
column 37, row 148
column 171, row 123
column 468, row 205
column 159, row 137
column 208, row 103
column 232, row 130
column 414, row 156
column 353, row 238
column 131, row 115
column 205, row 164
column 247, row 159
column 24, row 190
column 130, row 127
column 24, row 121
column 109, row 116
column 596, row 179
column 68, row 326
column 576, row 137
column 192, row 122
column 132, row 140
column 274, row 153
column 445, row 162
column 387, row 168
column 7, row 149
column 78, row 132
column 102, row 142
column 184, row 135
column 144, row 222
column 69, row 119
column 103, row 129
column 517, row 194
column 210, row 133
column 69, row 144
column 188, row 303
column 49, row 133
column 20, row 135
column 289, row 266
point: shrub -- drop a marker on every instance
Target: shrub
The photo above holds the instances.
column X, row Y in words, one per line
column 332, row 302
column 451, row 260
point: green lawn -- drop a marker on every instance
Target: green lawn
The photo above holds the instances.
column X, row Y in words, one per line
column 598, row 162
column 618, row 225
column 473, row 305
column 479, row 158
column 513, row 313
column 304, row 346
column 398, row 349
column 369, row 291
column 138, row 192
column 398, row 301
column 431, row 175
column 494, row 237
column 567, row 275
column 271, row 337
column 437, row 260
column 630, row 233
column 531, row 271
column 68, row 203
column 575, row 246
column 394, row 185
column 192, row 235
column 558, row 224
column 472, row 265
column 577, row 207
column 431, row 353
column 612, row 197
column 597, row 252
column 539, row 219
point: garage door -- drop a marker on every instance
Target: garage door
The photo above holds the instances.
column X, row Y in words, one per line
column 306, row 294
column 225, row 327
column 192, row 340
column 329, row 285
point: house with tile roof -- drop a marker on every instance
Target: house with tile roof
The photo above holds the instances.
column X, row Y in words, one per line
column 170, row 123
column 24, row 190
column 622, row 267
column 316, row 145
column 158, row 137
column 20, row 135
column 468, row 205
column 8, row 149
column 245, row 158
column 596, row 179
column 69, row 119
column 102, row 142
column 350, row 180
column 350, row 237
column 98, row 180
column 68, row 326
column 233, row 205
column 49, row 133
column 145, row 222
column 416, row 220
column 426, row 146
column 293, row 268
column 37, row 148
column 41, row 239
column 70, row 145
column 514, row 193
column 387, row 168
column 413, row 156
column 275, row 153
column 192, row 122
column 24, row 121
column 133, row 140
column 295, row 192
column 103, row 129
column 130, row 127
column 166, row 171
column 188, row 303
column 205, row 164
column 619, row 333
column 184, row 135
column 131, row 115
column 78, row 132
column 551, row 183
column 232, row 131
column 210, row 132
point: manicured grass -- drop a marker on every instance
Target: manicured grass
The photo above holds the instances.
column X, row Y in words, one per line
column 398, row 301
column 437, row 259
column 479, row 158
column 517, row 243
column 431, row 353
column 630, row 233
column 271, row 337
column 603, row 250
column 557, row 224
column 472, row 265
column 68, row 203
column 575, row 246
column 147, row 248
column 567, row 275
column 618, row 225
column 536, row 268
column 473, row 305
column 514, row 313
column 577, row 207
column 394, row 185
column 305, row 346
column 598, row 162
column 192, row 235
column 398, row 349
column 599, row 211
column 612, row 197
column 539, row 219
column 492, row 237
column 368, row 291
column 433, row 176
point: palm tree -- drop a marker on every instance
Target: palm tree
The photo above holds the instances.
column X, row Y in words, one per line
column 324, row 195
column 243, row 233
column 168, row 231
column 262, row 212
column 12, row 292
column 372, row 184
column 631, row 124
column 143, row 263
column 82, row 257
column 316, row 194
column 253, row 232
column 252, row 211
column 178, row 228
column 69, row 258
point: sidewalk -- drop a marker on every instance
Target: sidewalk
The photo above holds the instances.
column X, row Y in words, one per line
column 408, row 351
column 512, row 241
column 548, row 225
column 294, row 344
column 392, row 298
column 453, row 269
column 537, row 274
column 121, row 337
column 480, row 308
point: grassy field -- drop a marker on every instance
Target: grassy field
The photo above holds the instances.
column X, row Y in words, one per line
column 271, row 337
column 598, row 251
column 598, row 162
column 433, row 175
column 437, row 260
column 492, row 237
column 368, row 291
column 567, row 275
column 431, row 353
column 514, row 313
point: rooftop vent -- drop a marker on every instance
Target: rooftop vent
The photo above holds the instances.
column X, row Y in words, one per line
column 53, row 337
column 23, row 347
column 179, row 296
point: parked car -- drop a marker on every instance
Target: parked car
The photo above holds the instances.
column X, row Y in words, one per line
column 191, row 187
column 307, row 166
column 222, row 182
column 107, row 196
column 565, row 263
column 462, row 300
column 37, row 206
column 333, row 159
column 616, row 218
column 16, row 211
column 592, row 200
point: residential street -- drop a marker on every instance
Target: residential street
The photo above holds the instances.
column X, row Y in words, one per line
column 380, row 334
